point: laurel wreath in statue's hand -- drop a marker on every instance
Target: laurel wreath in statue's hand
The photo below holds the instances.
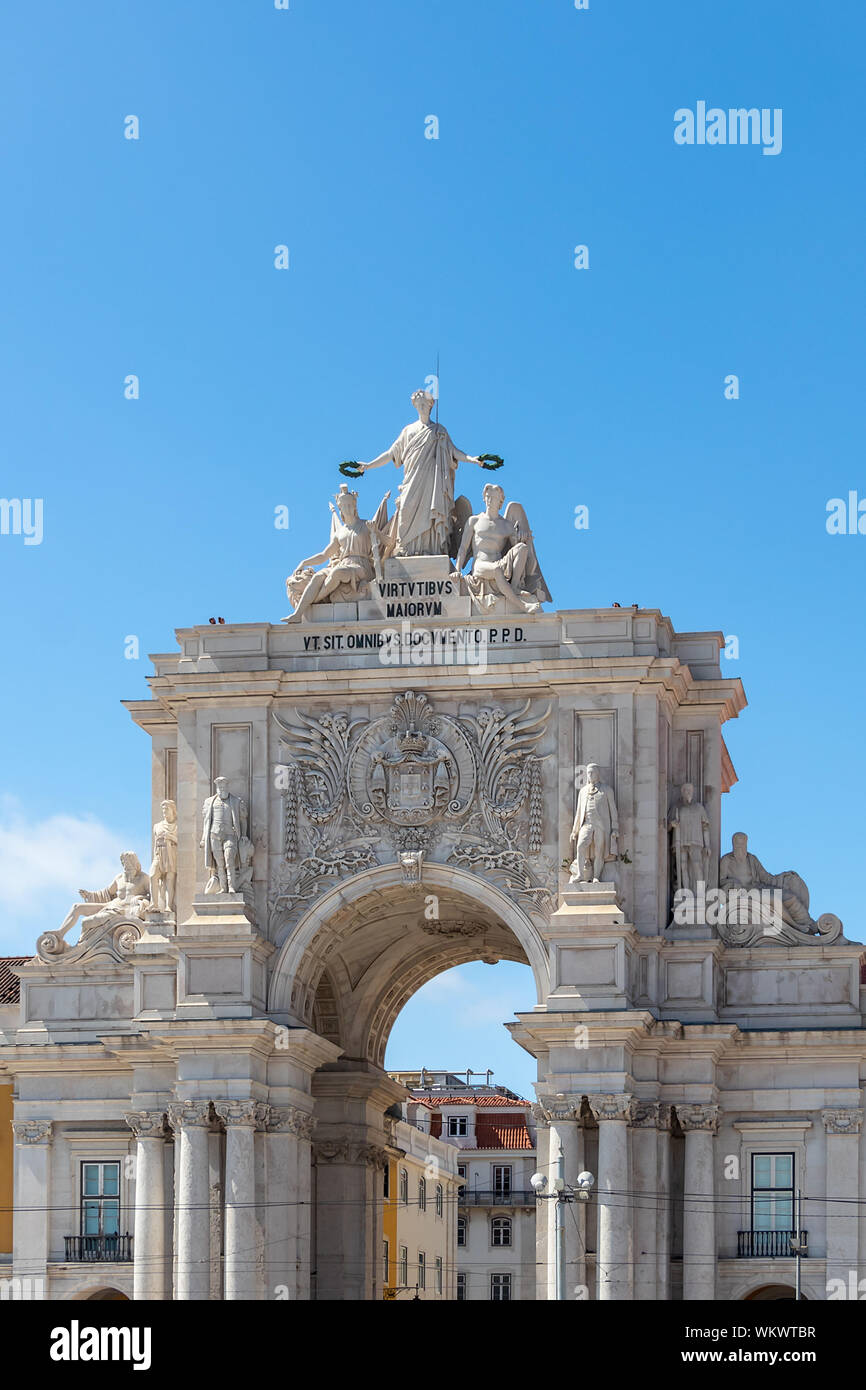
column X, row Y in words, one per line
column 349, row 469
column 490, row 461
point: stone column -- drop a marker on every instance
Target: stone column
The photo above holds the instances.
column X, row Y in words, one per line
column 349, row 1245
column 287, row 1170
column 615, row 1235
column 842, row 1128
column 303, row 1125
column 645, row 1201
column 241, row 1119
column 31, row 1232
column 148, row 1245
column 191, row 1121
column 566, row 1136
column 663, row 1211
column 699, row 1124
column 543, row 1267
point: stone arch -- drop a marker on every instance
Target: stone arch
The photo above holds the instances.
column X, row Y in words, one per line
column 771, row 1293
column 105, row 1293
column 367, row 940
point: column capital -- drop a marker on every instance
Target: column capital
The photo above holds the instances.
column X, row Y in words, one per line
column 289, row 1119
column 843, row 1120
column 350, row 1151
column 695, row 1118
column 644, row 1114
column 32, row 1131
column 616, row 1106
column 557, row 1114
column 242, row 1114
column 190, row 1115
column 146, row 1124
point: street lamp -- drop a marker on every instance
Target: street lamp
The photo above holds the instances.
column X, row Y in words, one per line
column 561, row 1195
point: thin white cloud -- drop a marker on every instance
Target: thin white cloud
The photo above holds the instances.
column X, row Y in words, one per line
column 43, row 863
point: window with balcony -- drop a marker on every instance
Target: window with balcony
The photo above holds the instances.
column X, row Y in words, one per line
column 440, row 1199
column 404, row 1266
column 502, row 1184
column 461, row 1288
column 438, row 1273
column 772, row 1208
column 461, row 1230
column 100, row 1235
column 422, row 1270
column 422, row 1194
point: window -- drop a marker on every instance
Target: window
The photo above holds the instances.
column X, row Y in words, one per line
column 385, row 1266
column 502, row 1179
column 438, row 1273
column 100, row 1199
column 404, row 1187
column 422, row 1270
column 404, row 1266
column 461, row 1288
column 461, row 1230
column 462, row 1170
column 500, row 1288
column 440, row 1199
column 458, row 1126
column 422, row 1194
column 772, row 1192
column 500, row 1231
column 386, row 1182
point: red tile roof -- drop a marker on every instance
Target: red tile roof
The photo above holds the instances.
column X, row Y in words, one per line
column 9, row 983
column 487, row 1102
column 502, row 1132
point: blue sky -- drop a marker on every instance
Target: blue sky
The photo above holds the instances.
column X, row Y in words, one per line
column 602, row 387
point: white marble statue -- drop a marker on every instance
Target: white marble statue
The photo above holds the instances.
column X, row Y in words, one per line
column 128, row 895
column 351, row 557
column 504, row 563
column 741, row 870
column 224, row 834
column 163, row 870
column 423, row 518
column 691, row 829
column 595, row 829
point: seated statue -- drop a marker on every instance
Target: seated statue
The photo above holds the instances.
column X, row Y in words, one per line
column 788, row 920
column 504, row 563
column 351, row 557
column 128, row 895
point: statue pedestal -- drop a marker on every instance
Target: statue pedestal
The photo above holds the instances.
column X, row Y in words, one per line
column 590, row 949
column 221, row 960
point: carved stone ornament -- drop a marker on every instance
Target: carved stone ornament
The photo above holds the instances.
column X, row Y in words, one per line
column 190, row 1115
column 843, row 1121
column 246, row 1114
column 645, row 1114
column 32, row 1131
column 146, row 1124
column 406, row 779
column 350, row 1151
column 454, row 929
column 698, row 1117
column 611, row 1107
column 112, row 920
column 290, row 1120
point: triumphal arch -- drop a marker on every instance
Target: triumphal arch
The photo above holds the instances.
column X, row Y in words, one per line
column 426, row 763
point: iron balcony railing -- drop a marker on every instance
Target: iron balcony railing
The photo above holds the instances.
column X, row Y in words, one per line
column 772, row 1245
column 495, row 1197
column 84, row 1249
